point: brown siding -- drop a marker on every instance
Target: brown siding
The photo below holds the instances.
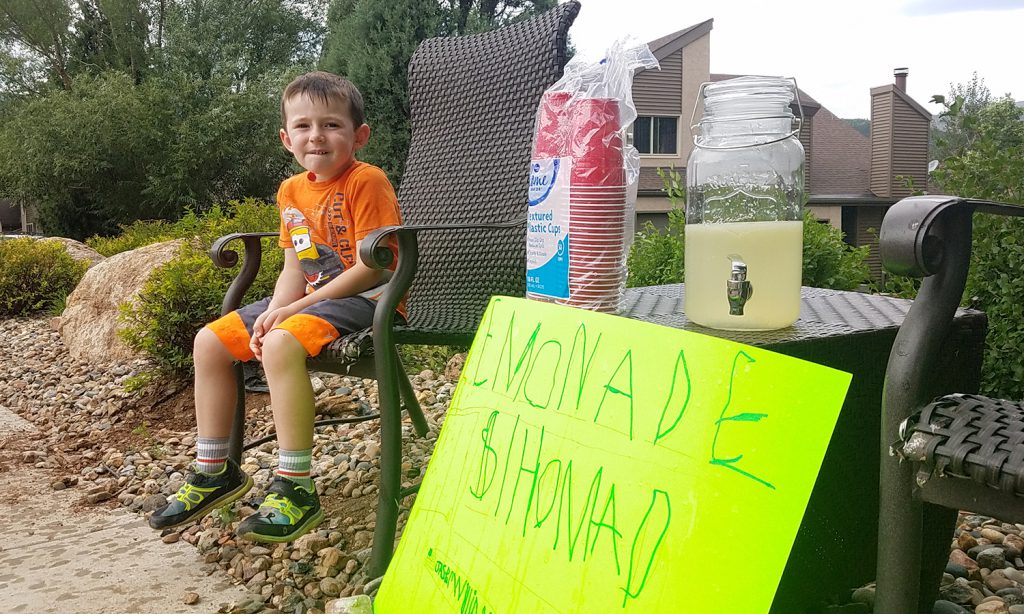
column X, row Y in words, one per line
column 869, row 221
column 910, row 148
column 881, row 144
column 659, row 92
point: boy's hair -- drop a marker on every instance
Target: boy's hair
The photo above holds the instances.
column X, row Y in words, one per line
column 325, row 86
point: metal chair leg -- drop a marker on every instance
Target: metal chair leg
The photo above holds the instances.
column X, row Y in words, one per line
column 409, row 400
column 938, row 526
column 388, row 390
column 899, row 546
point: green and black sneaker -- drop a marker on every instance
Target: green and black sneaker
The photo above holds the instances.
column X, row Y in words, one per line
column 288, row 512
column 201, row 494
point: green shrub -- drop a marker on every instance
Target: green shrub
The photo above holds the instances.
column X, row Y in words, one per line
column 896, row 285
column 829, row 262
column 184, row 294
column 657, row 256
column 179, row 298
column 133, row 236
column 248, row 215
column 995, row 285
column 35, row 276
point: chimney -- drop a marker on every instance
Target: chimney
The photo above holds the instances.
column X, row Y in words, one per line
column 901, row 78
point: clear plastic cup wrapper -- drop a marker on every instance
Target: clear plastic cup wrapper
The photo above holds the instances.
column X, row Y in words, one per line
column 583, row 182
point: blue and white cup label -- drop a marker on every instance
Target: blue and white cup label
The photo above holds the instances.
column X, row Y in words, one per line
column 547, row 228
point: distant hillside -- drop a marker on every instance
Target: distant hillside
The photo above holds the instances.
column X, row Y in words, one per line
column 862, row 126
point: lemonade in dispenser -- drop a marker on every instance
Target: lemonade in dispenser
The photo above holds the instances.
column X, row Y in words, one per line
column 744, row 197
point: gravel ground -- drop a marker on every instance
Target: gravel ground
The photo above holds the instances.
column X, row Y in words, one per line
column 129, row 450
column 122, row 450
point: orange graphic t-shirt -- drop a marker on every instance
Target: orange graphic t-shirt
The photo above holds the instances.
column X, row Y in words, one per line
column 323, row 221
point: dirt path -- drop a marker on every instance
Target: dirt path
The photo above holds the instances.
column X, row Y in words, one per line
column 57, row 557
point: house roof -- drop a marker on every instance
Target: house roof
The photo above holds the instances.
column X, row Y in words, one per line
column 670, row 43
column 903, row 95
column 840, row 157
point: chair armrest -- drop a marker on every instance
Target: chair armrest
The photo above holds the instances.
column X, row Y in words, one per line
column 909, row 242
column 227, row 258
column 929, row 237
column 374, row 252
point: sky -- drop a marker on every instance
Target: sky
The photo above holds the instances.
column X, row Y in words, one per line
column 837, row 51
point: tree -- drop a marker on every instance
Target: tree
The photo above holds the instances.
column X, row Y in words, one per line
column 111, row 34
column 986, row 160
column 372, row 42
column 985, row 156
column 41, row 30
column 239, row 39
column 954, row 129
column 372, row 46
column 108, row 151
column 81, row 154
column 491, row 14
column 161, row 104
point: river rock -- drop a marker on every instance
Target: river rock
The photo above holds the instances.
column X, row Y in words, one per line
column 991, row 607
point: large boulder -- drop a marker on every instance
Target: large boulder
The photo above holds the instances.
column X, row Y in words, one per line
column 77, row 250
column 88, row 325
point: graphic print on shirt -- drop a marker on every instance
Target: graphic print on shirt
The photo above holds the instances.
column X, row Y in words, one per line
column 319, row 262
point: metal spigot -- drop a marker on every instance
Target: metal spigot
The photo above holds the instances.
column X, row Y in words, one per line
column 738, row 289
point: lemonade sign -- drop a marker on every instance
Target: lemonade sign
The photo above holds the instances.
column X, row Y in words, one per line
column 590, row 463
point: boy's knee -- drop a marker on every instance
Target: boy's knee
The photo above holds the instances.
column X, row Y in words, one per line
column 207, row 344
column 280, row 346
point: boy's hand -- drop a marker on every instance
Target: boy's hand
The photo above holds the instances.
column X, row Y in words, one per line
column 265, row 323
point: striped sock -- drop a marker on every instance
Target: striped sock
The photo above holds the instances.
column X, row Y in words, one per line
column 294, row 465
column 211, row 454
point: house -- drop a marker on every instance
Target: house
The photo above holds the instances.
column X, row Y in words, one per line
column 10, row 216
column 851, row 179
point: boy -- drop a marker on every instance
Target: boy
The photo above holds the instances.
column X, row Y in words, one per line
column 323, row 291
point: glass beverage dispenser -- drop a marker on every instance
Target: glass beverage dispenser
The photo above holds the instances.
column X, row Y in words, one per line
column 744, row 198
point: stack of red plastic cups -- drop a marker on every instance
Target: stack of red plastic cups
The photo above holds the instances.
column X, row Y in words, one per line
column 588, row 131
column 597, row 206
column 552, row 131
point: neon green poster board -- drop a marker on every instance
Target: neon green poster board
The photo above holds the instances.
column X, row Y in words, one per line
column 590, row 463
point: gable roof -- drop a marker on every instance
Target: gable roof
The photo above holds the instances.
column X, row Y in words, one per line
column 902, row 95
column 670, row 43
column 840, row 158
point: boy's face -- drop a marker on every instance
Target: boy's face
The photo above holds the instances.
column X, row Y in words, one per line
column 321, row 136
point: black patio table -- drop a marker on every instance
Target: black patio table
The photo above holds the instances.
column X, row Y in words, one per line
column 836, row 545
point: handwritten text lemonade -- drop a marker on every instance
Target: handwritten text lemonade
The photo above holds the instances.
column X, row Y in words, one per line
column 586, row 511
column 586, row 460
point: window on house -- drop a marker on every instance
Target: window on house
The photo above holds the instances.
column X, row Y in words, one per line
column 655, row 135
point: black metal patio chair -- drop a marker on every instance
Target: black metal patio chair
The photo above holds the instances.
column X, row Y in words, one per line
column 472, row 103
column 938, row 456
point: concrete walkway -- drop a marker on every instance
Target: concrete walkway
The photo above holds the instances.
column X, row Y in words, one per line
column 56, row 558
